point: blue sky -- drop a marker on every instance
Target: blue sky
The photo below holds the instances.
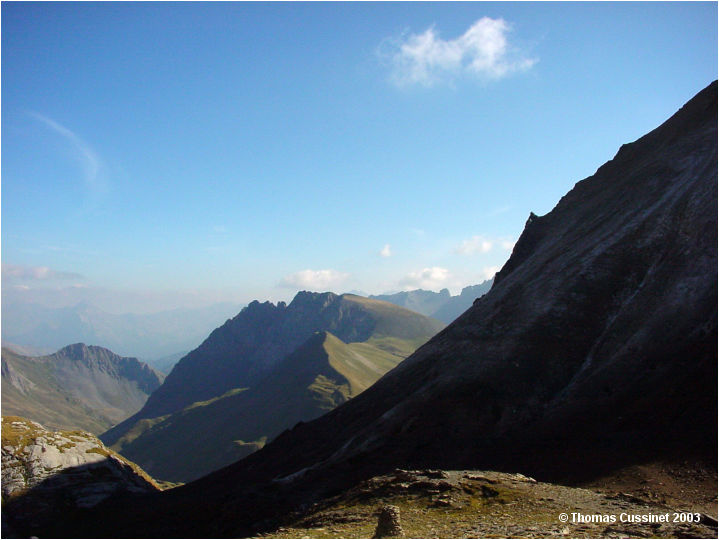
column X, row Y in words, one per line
column 158, row 155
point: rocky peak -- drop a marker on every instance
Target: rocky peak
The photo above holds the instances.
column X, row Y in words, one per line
column 77, row 351
column 313, row 300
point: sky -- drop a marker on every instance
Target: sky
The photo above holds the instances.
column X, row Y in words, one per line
column 163, row 155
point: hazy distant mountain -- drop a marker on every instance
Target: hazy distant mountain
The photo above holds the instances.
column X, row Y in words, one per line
column 596, row 349
column 262, row 372
column 441, row 306
column 78, row 387
column 147, row 336
column 419, row 300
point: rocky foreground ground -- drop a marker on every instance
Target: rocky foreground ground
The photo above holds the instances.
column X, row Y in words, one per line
column 46, row 472
column 482, row 504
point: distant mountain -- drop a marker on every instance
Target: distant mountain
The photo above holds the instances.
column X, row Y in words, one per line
column 441, row 306
column 595, row 350
column 457, row 305
column 419, row 300
column 262, row 372
column 78, row 387
column 52, row 474
column 147, row 336
column 166, row 363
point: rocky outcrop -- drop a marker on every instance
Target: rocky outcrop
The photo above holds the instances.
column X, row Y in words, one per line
column 44, row 471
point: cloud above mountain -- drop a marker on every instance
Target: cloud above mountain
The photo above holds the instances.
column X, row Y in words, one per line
column 428, row 278
column 483, row 51
column 315, row 280
column 478, row 245
column 474, row 245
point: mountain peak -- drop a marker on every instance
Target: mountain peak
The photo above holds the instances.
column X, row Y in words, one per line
column 76, row 350
column 317, row 299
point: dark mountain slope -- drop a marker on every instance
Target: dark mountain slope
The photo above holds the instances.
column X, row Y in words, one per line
column 82, row 387
column 595, row 348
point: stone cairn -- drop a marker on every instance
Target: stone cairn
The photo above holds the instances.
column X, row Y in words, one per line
column 388, row 524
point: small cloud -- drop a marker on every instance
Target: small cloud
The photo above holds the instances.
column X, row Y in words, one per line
column 427, row 278
column 316, row 280
column 474, row 246
column 15, row 272
column 482, row 51
column 386, row 251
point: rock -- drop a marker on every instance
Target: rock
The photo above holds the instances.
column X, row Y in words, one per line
column 432, row 473
column 388, row 523
column 55, row 471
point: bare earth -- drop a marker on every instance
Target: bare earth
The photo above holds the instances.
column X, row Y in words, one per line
column 483, row 504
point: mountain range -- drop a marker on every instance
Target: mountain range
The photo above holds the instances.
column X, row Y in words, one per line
column 594, row 350
column 78, row 387
column 438, row 305
column 262, row 372
column 146, row 336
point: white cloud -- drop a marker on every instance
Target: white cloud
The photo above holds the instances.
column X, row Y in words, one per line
column 483, row 51
column 90, row 162
column 508, row 244
column 15, row 272
column 386, row 251
column 475, row 245
column 315, row 280
column 428, row 278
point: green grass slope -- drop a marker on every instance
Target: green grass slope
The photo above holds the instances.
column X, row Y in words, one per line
column 321, row 374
